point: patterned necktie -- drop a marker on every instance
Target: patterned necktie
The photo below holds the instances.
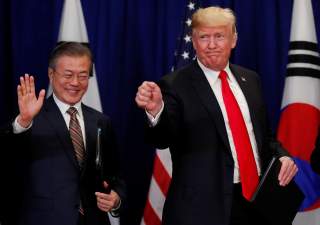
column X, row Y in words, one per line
column 76, row 135
column 247, row 166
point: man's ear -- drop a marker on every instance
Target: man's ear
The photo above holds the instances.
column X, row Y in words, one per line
column 234, row 40
column 50, row 74
column 193, row 38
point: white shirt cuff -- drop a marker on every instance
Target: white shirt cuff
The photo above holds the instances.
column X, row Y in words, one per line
column 118, row 206
column 17, row 128
column 154, row 120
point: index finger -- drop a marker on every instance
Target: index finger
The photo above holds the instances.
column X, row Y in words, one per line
column 103, row 195
column 283, row 171
column 149, row 84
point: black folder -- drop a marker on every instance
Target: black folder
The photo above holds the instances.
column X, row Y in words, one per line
column 276, row 203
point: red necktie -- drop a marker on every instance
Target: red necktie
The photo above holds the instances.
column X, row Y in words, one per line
column 247, row 166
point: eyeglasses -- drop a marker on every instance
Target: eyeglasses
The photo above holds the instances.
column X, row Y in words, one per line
column 69, row 76
column 206, row 38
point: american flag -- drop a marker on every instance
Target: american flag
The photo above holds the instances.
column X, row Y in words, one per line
column 185, row 53
column 162, row 168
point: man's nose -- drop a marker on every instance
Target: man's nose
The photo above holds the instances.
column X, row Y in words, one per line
column 75, row 80
column 212, row 42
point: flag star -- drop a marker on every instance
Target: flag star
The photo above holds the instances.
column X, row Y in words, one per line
column 187, row 38
column 185, row 55
column 188, row 22
column 191, row 6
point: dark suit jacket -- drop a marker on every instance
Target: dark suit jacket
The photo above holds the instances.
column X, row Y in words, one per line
column 192, row 126
column 54, row 183
column 315, row 156
column 10, row 192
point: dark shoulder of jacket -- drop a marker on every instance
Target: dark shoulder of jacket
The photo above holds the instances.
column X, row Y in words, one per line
column 243, row 70
column 181, row 73
column 95, row 112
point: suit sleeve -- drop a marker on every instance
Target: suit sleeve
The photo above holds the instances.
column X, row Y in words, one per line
column 11, row 174
column 315, row 157
column 166, row 132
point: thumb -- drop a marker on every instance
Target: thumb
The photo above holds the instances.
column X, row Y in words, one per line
column 41, row 97
column 105, row 184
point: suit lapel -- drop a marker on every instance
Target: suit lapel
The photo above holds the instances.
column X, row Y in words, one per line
column 90, row 124
column 246, row 84
column 57, row 122
column 208, row 99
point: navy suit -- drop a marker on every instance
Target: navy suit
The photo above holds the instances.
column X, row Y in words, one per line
column 54, row 182
column 192, row 126
column 10, row 188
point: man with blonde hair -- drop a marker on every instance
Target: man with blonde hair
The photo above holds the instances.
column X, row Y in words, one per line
column 212, row 117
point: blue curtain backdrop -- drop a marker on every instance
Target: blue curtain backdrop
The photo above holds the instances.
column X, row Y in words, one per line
column 133, row 41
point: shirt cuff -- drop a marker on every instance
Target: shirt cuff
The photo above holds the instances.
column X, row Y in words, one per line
column 118, row 206
column 114, row 212
column 17, row 128
column 153, row 121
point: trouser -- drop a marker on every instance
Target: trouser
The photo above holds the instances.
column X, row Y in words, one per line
column 81, row 219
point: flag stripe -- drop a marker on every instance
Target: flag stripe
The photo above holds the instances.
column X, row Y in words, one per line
column 158, row 188
column 303, row 45
column 150, row 217
column 156, row 197
column 165, row 158
column 304, row 59
column 304, row 72
column 161, row 175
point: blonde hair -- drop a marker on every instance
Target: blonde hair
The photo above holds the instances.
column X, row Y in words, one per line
column 214, row 16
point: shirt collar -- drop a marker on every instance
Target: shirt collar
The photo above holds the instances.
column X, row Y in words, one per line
column 215, row 74
column 63, row 107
